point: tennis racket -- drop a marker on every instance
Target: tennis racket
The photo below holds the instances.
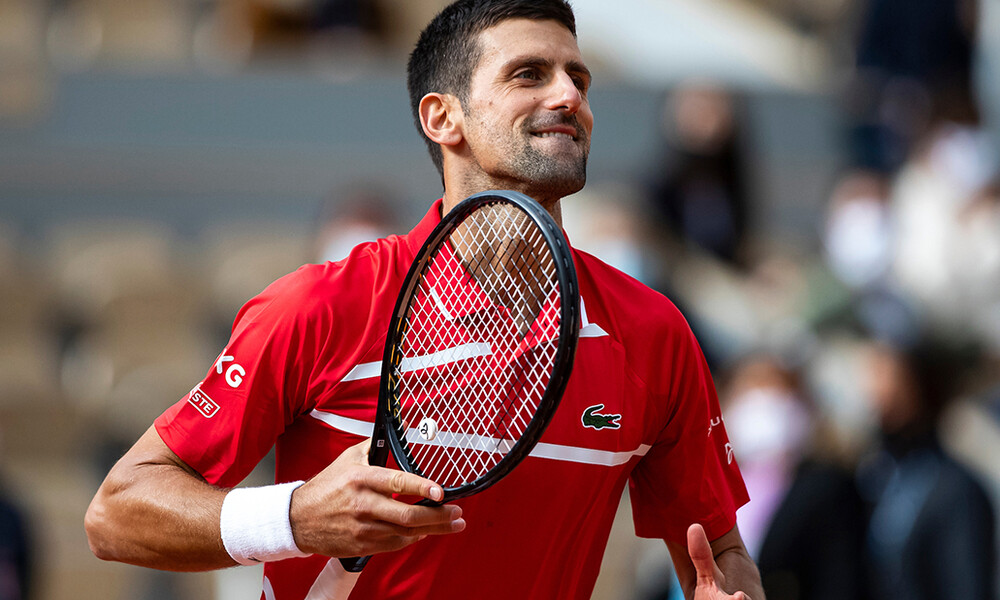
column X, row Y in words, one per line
column 480, row 346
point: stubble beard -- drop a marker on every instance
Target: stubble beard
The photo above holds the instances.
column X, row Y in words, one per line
column 546, row 177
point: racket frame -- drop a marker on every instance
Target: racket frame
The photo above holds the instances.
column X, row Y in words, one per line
column 388, row 430
column 386, row 435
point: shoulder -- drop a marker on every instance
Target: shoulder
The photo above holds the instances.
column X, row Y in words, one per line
column 657, row 344
column 348, row 285
column 631, row 307
column 959, row 486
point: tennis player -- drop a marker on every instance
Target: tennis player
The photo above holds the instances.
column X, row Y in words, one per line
column 499, row 91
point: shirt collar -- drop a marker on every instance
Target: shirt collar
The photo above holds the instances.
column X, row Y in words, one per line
column 475, row 299
column 419, row 234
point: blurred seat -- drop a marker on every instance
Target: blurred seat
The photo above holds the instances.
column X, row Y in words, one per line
column 120, row 378
column 240, row 260
column 123, row 33
column 23, row 86
column 35, row 421
column 29, row 367
column 21, row 25
column 142, row 393
column 100, row 368
column 25, row 296
column 108, row 271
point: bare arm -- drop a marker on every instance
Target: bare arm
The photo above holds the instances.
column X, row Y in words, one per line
column 710, row 571
column 155, row 511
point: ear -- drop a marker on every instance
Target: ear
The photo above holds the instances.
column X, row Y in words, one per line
column 441, row 118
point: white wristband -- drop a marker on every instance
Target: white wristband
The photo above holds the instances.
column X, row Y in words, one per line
column 255, row 524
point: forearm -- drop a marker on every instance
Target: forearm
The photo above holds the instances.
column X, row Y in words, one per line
column 155, row 511
column 156, row 514
column 740, row 572
column 721, row 567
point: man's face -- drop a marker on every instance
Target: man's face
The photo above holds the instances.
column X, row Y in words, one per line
column 527, row 118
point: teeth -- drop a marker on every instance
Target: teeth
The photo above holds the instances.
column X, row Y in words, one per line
column 554, row 134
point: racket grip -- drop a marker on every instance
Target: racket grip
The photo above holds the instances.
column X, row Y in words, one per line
column 354, row 565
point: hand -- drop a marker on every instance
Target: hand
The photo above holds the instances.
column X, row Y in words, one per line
column 348, row 510
column 710, row 579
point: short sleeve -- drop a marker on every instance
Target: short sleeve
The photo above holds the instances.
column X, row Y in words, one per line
column 689, row 474
column 231, row 419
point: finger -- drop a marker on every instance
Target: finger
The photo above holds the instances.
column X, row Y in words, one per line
column 388, row 481
column 701, row 555
column 385, row 530
column 358, row 453
column 383, row 535
column 354, row 455
column 453, row 526
column 365, row 447
column 412, row 519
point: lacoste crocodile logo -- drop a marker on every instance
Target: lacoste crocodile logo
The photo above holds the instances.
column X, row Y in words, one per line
column 595, row 420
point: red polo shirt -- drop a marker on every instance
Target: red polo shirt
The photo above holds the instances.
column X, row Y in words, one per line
column 301, row 373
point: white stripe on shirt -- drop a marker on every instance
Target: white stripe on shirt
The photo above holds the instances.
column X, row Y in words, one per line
column 576, row 454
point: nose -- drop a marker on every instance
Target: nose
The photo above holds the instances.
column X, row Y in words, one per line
column 565, row 95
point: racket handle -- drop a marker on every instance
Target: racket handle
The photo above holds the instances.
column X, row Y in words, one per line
column 354, row 565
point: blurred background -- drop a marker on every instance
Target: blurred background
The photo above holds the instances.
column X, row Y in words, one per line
column 815, row 183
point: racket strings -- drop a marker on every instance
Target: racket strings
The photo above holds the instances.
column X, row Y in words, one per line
column 505, row 255
column 506, row 305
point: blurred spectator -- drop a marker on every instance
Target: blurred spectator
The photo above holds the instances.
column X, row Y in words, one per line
column 975, row 256
column 605, row 221
column 351, row 217
column 800, row 493
column 860, row 239
column 352, row 14
column 245, row 29
column 977, row 250
column 921, row 249
column 698, row 188
column 931, row 528
column 277, row 20
column 914, row 69
column 16, row 560
column 931, row 201
column 858, row 233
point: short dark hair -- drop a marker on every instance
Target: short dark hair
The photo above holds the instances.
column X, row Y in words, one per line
column 447, row 51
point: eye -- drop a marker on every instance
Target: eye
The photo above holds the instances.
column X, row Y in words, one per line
column 581, row 82
column 527, row 74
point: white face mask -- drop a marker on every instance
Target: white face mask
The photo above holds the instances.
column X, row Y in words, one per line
column 767, row 424
column 622, row 254
column 859, row 241
column 338, row 244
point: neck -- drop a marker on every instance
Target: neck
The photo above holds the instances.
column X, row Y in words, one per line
column 454, row 194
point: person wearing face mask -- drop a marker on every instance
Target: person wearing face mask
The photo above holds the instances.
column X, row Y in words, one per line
column 800, row 494
column 931, row 530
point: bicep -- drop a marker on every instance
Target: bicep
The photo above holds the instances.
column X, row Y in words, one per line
column 151, row 451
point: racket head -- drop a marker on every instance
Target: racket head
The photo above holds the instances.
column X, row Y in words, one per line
column 443, row 352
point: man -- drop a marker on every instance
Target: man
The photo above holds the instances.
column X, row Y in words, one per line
column 499, row 90
column 931, row 525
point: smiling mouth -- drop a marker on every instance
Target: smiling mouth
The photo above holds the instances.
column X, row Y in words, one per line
column 549, row 134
